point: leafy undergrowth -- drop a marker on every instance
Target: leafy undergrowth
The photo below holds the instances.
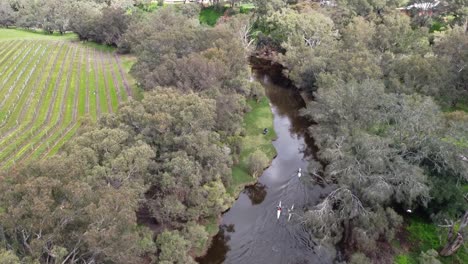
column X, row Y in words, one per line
column 210, row 15
column 255, row 121
column 246, row 8
column 423, row 236
column 462, row 105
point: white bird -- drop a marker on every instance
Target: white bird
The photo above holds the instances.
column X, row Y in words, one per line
column 299, row 173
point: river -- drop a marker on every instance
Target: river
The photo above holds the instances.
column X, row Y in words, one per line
column 249, row 231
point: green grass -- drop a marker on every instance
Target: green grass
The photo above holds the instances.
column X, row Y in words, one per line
column 246, row 8
column 13, row 34
column 127, row 63
column 255, row 121
column 100, row 47
column 44, row 93
column 210, row 16
column 423, row 236
column 211, row 226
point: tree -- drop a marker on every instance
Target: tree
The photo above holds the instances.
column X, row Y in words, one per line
column 173, row 248
column 242, row 25
column 55, row 16
column 394, row 34
column 84, row 15
column 356, row 136
column 257, row 91
column 308, row 39
column 264, row 8
column 197, row 235
column 258, row 161
column 452, row 46
column 458, row 8
column 456, row 238
column 7, row 14
column 429, row 257
column 111, row 26
column 8, row 257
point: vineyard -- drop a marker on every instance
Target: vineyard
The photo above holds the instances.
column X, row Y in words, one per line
column 47, row 87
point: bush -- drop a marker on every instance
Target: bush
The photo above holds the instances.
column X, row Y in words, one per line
column 257, row 91
column 210, row 16
column 190, row 10
column 245, row 9
column 258, row 161
column 429, row 257
column 359, row 258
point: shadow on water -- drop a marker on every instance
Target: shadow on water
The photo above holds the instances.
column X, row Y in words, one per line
column 256, row 193
column 250, row 231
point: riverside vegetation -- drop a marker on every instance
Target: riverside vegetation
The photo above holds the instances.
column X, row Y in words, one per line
column 147, row 182
column 390, row 90
column 390, row 95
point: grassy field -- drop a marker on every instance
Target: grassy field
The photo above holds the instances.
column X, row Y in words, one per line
column 12, row 34
column 422, row 236
column 210, row 15
column 255, row 121
column 48, row 83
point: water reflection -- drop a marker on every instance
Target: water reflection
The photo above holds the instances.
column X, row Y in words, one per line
column 288, row 102
column 256, row 193
column 220, row 247
column 250, row 231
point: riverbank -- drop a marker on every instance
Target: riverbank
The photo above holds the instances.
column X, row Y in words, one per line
column 259, row 117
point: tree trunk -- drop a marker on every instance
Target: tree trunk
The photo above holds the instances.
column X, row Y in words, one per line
column 452, row 247
column 453, row 244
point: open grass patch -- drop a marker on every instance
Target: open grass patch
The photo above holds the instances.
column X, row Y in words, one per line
column 12, row 34
column 246, row 8
column 210, row 15
column 255, row 121
column 423, row 236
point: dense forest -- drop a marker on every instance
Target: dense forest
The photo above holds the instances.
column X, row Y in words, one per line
column 389, row 96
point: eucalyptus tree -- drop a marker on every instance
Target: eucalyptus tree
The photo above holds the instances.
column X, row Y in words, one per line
column 53, row 214
column 452, row 46
column 7, row 14
column 192, row 166
column 8, row 257
column 358, row 131
column 308, row 38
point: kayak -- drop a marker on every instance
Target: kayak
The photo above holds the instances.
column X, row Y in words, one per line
column 290, row 212
column 278, row 212
column 299, row 173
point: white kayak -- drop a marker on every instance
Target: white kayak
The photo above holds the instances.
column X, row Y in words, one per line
column 299, row 173
column 278, row 212
column 290, row 212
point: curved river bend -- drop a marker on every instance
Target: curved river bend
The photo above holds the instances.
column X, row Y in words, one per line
column 249, row 231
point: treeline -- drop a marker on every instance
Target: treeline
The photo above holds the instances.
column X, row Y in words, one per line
column 102, row 21
column 380, row 79
column 166, row 159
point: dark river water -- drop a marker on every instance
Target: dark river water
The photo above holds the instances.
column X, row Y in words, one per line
column 249, row 231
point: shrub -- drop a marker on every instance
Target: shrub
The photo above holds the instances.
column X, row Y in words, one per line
column 257, row 91
column 258, row 161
